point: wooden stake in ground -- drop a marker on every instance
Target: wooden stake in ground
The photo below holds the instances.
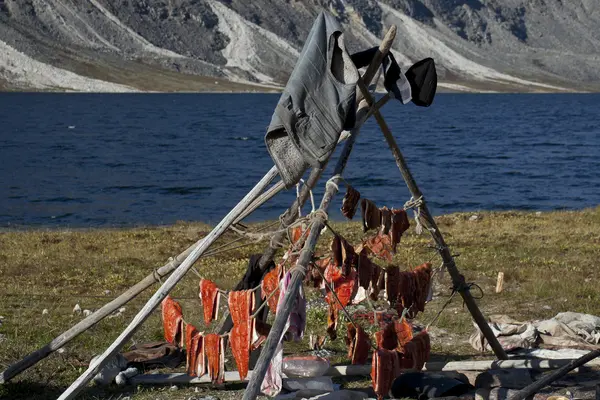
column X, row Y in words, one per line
column 457, row 279
column 169, row 284
column 500, row 282
column 316, row 226
column 548, row 379
column 97, row 316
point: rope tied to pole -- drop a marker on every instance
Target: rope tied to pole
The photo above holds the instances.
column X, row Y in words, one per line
column 415, row 205
column 334, row 181
column 312, row 198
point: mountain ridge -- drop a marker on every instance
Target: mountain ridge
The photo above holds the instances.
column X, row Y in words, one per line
column 235, row 45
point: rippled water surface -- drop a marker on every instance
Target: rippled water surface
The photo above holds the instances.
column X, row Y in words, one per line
column 80, row 160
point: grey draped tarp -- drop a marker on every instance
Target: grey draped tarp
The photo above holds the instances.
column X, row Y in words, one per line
column 565, row 330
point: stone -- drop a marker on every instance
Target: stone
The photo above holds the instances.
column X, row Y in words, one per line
column 495, row 394
column 110, row 371
column 482, row 394
column 323, row 383
column 308, row 393
column 45, row 311
column 473, row 218
column 505, row 378
column 342, row 395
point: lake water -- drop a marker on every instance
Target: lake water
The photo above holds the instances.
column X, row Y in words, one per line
column 87, row 160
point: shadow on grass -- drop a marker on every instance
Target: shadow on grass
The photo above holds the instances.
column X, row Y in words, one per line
column 27, row 390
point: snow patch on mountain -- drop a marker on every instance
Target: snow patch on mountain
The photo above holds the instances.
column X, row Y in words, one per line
column 244, row 39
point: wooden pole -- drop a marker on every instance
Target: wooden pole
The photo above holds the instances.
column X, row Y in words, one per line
column 548, row 379
column 262, row 199
column 33, row 358
column 169, row 284
column 365, row 370
column 299, row 271
column 457, row 279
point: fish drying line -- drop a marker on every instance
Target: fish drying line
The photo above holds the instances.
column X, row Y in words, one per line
column 455, row 290
column 341, row 305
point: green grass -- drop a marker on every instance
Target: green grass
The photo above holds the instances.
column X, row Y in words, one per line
column 549, row 260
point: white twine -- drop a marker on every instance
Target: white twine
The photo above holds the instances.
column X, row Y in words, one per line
column 415, row 205
column 334, row 182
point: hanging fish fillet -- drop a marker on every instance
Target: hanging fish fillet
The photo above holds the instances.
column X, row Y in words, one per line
column 270, row 284
column 403, row 332
column 413, row 287
column 385, row 368
column 344, row 255
column 381, row 246
column 400, row 224
column 260, row 332
column 365, row 269
column 343, row 286
column 386, row 220
column 191, row 348
column 240, row 308
column 374, row 286
column 332, row 320
column 299, row 232
column 209, row 293
column 316, row 269
column 358, row 343
column 172, row 318
column 416, row 352
column 198, row 343
column 215, row 354
column 394, row 335
column 350, row 202
column 392, row 280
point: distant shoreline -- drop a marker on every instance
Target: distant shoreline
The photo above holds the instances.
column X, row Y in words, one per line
column 208, row 227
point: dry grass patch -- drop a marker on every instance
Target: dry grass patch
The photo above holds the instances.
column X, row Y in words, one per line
column 550, row 263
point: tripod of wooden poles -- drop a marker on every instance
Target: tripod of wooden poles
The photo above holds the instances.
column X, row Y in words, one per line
column 258, row 195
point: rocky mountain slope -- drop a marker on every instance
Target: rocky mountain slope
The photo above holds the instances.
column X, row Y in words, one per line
column 121, row 45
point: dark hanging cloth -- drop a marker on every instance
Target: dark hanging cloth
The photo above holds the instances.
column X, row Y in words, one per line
column 423, row 82
column 254, row 274
column 418, row 84
column 395, row 82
